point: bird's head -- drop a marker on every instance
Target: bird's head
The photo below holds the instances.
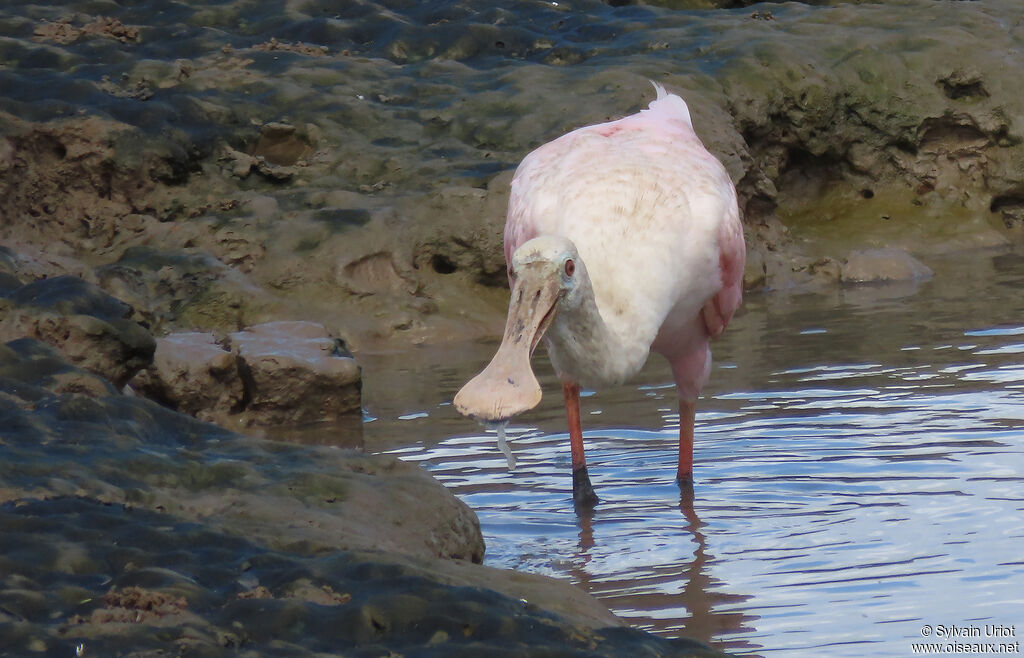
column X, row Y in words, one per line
column 544, row 275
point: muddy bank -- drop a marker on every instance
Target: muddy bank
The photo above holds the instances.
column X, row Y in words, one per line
column 349, row 164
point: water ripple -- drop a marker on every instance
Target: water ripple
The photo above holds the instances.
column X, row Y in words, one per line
column 841, row 501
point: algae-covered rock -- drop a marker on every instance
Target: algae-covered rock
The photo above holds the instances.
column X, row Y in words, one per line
column 128, row 450
column 109, row 578
column 27, row 362
column 182, row 287
column 361, row 163
column 89, row 326
column 128, row 526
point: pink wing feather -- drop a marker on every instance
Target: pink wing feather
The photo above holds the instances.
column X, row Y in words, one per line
column 718, row 310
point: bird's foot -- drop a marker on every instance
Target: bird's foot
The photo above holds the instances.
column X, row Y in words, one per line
column 582, row 491
column 685, row 491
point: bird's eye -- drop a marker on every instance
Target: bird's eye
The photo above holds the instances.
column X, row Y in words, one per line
column 570, row 267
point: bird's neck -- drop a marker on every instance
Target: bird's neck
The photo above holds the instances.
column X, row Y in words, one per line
column 589, row 348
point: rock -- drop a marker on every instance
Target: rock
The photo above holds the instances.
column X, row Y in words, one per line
column 73, row 182
column 152, row 584
column 193, row 374
column 879, row 265
column 240, row 164
column 273, row 374
column 128, row 450
column 237, row 249
column 280, row 145
column 375, row 274
column 169, row 288
column 295, row 372
column 26, row 361
column 148, row 529
column 89, row 326
column 29, row 262
column 64, row 32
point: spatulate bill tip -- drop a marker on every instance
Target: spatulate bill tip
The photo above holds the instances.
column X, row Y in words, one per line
column 490, row 399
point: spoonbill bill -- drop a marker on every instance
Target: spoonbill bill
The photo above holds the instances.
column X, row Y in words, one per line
column 621, row 238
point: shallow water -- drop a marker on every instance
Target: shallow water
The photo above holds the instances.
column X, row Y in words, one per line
column 859, row 467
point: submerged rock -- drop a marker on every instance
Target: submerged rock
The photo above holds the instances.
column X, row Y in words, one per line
column 879, row 265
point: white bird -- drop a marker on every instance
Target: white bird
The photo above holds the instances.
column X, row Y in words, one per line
column 621, row 238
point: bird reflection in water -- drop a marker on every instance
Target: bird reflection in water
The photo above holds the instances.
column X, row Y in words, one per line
column 703, row 611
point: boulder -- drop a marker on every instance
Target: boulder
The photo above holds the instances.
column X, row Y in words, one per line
column 278, row 373
column 192, row 373
column 295, row 372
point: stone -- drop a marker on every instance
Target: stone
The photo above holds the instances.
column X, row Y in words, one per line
column 193, row 374
column 295, row 372
column 89, row 326
column 880, row 265
column 127, row 450
column 28, row 361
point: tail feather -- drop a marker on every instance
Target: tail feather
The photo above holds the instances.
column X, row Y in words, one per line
column 670, row 103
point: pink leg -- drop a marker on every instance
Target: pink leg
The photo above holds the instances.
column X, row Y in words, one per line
column 687, row 410
column 582, row 490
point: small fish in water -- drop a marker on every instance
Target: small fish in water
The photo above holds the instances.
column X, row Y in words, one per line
column 506, row 450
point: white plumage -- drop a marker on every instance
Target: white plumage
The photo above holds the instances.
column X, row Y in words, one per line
column 646, row 220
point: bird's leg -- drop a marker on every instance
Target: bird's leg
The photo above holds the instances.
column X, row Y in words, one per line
column 687, row 410
column 582, row 491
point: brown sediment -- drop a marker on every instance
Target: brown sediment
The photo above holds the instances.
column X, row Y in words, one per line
column 65, row 32
column 300, row 48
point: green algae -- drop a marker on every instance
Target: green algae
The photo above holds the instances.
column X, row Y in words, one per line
column 321, row 489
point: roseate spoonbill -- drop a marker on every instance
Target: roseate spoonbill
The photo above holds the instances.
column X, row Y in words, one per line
column 621, row 238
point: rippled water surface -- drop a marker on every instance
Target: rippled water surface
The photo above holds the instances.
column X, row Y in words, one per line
column 859, row 467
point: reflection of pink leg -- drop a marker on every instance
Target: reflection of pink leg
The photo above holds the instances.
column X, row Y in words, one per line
column 687, row 410
column 582, row 491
